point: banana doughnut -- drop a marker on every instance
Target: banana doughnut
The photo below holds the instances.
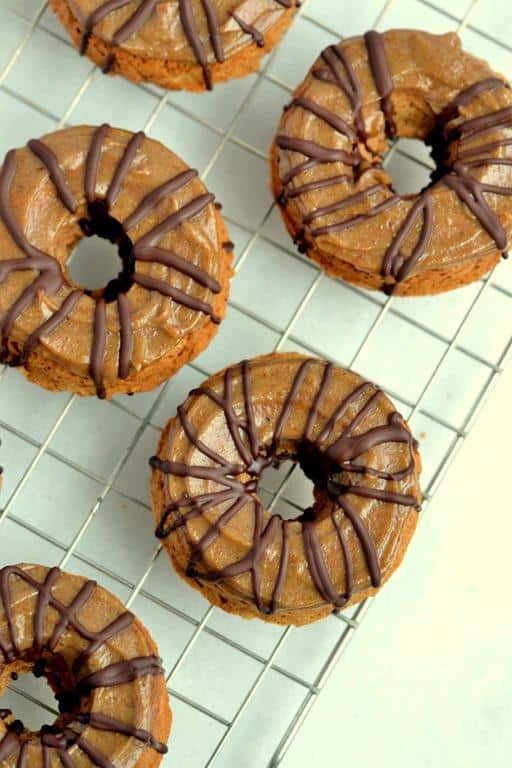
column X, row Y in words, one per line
column 170, row 294
column 100, row 662
column 338, row 202
column 346, row 437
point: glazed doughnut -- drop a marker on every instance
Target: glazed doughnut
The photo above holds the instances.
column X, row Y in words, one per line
column 183, row 44
column 100, row 662
column 170, row 295
column 339, row 203
column 347, row 438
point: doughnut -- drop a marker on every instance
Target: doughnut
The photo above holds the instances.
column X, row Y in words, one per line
column 100, row 662
column 335, row 197
column 170, row 294
column 346, row 437
column 181, row 45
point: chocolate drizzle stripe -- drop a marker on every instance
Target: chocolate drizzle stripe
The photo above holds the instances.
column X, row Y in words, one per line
column 490, row 147
column 49, row 160
column 198, row 507
column 283, row 567
column 40, row 260
column 213, row 29
column 334, row 121
column 367, row 545
column 68, row 614
column 389, row 497
column 249, row 29
column 234, row 424
column 93, row 162
column 313, row 413
column 477, row 126
column 395, row 263
column 212, row 534
column 194, row 39
column 180, row 297
column 173, row 261
column 188, row 211
column 340, row 411
column 99, row 347
column 124, row 167
column 256, row 457
column 93, row 753
column 106, row 723
column 315, row 151
column 290, row 399
column 135, row 22
column 297, row 170
column 470, row 191
column 466, row 96
column 9, row 745
column 345, row 203
column 347, row 558
column 121, row 673
column 354, row 221
column 314, row 185
column 194, row 439
column 318, row 568
column 126, row 336
column 154, row 198
column 346, row 81
column 250, row 426
column 51, row 324
column 96, row 17
column 379, row 65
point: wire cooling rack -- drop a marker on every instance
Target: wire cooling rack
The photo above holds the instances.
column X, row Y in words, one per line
column 75, row 487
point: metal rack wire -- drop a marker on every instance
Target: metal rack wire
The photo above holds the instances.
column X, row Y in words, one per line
column 347, row 624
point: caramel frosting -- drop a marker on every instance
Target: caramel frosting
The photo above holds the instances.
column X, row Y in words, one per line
column 128, row 189
column 346, row 436
column 101, row 663
column 329, row 145
column 194, row 31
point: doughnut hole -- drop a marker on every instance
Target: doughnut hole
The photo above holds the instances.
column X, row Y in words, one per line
column 55, row 671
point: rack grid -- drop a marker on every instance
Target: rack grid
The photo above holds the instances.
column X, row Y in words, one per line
column 98, row 451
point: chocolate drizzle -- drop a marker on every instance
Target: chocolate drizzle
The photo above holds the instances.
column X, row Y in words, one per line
column 381, row 74
column 62, row 739
column 249, row 29
column 324, row 459
column 99, row 221
column 412, row 239
column 186, row 12
column 50, row 278
column 341, row 73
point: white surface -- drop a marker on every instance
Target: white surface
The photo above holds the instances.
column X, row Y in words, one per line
column 427, row 678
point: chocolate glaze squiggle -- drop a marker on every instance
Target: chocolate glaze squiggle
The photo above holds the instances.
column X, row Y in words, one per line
column 52, row 738
column 321, row 461
column 381, row 73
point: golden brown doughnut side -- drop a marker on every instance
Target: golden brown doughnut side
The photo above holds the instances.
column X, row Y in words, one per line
column 171, row 73
column 337, row 202
column 188, row 523
column 100, row 661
